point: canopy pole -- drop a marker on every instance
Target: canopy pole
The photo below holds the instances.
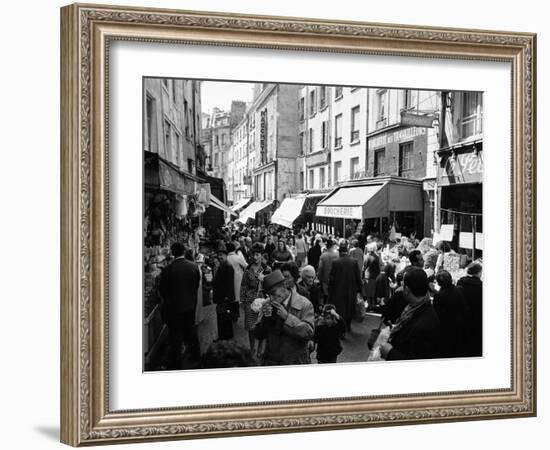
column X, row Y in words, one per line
column 344, row 231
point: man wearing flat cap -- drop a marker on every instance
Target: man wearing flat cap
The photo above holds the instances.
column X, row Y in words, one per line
column 286, row 323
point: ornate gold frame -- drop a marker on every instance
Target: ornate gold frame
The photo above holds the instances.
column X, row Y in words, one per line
column 86, row 31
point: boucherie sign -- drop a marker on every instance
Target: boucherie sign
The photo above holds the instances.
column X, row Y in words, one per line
column 343, row 212
column 462, row 168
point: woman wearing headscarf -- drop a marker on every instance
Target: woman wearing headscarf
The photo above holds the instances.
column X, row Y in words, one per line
column 251, row 288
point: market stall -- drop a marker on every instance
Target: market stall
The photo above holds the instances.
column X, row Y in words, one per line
column 380, row 202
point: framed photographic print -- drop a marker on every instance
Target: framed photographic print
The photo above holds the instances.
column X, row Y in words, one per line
column 267, row 222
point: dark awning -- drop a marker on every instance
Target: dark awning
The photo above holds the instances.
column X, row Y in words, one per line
column 161, row 174
column 370, row 198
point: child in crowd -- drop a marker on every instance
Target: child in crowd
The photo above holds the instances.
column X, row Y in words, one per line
column 330, row 327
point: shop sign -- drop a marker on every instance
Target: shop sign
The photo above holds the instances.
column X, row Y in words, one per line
column 416, row 120
column 342, row 212
column 463, row 168
column 396, row 137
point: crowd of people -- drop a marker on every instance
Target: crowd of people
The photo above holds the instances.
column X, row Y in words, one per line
column 300, row 291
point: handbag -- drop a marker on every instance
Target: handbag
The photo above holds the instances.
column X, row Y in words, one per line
column 360, row 310
column 375, row 332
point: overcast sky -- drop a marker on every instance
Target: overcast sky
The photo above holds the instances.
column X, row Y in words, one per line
column 220, row 94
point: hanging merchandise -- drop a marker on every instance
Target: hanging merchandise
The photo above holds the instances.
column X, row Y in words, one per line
column 181, row 207
column 392, row 233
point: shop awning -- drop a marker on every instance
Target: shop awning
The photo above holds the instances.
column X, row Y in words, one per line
column 289, row 210
column 217, row 203
column 240, row 204
column 162, row 174
column 372, row 198
column 250, row 211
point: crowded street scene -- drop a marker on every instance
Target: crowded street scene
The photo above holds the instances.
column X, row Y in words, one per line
column 290, row 224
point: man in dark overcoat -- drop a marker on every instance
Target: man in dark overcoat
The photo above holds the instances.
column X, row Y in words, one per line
column 178, row 286
column 344, row 285
column 472, row 287
column 223, row 295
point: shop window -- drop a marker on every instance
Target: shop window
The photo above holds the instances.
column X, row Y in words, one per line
column 186, row 118
column 168, row 139
column 381, row 99
column 409, row 99
column 151, row 122
column 471, row 114
column 379, row 162
column 174, row 89
column 337, row 171
column 405, row 157
column 338, row 131
column 354, row 124
column 353, row 167
column 324, row 134
column 322, row 97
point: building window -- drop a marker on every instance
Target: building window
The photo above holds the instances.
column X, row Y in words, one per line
column 174, row 86
column 311, row 179
column 338, row 92
column 471, row 114
column 353, row 167
column 355, row 124
column 302, row 143
column 410, row 98
column 405, row 157
column 338, row 131
column 178, row 149
column 337, row 171
column 322, row 97
column 310, row 147
column 312, row 102
column 186, row 118
column 321, row 177
column 302, row 187
column 381, row 108
column 150, row 117
column 190, row 164
column 216, row 165
column 223, row 139
column 302, row 108
column 168, row 140
column 324, row 134
column 216, row 141
column 379, row 162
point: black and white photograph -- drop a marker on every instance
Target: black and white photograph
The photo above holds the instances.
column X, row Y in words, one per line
column 289, row 224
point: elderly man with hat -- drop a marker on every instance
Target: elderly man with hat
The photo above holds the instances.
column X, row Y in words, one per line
column 286, row 323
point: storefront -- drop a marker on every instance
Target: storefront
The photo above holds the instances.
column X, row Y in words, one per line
column 374, row 205
column 460, row 184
